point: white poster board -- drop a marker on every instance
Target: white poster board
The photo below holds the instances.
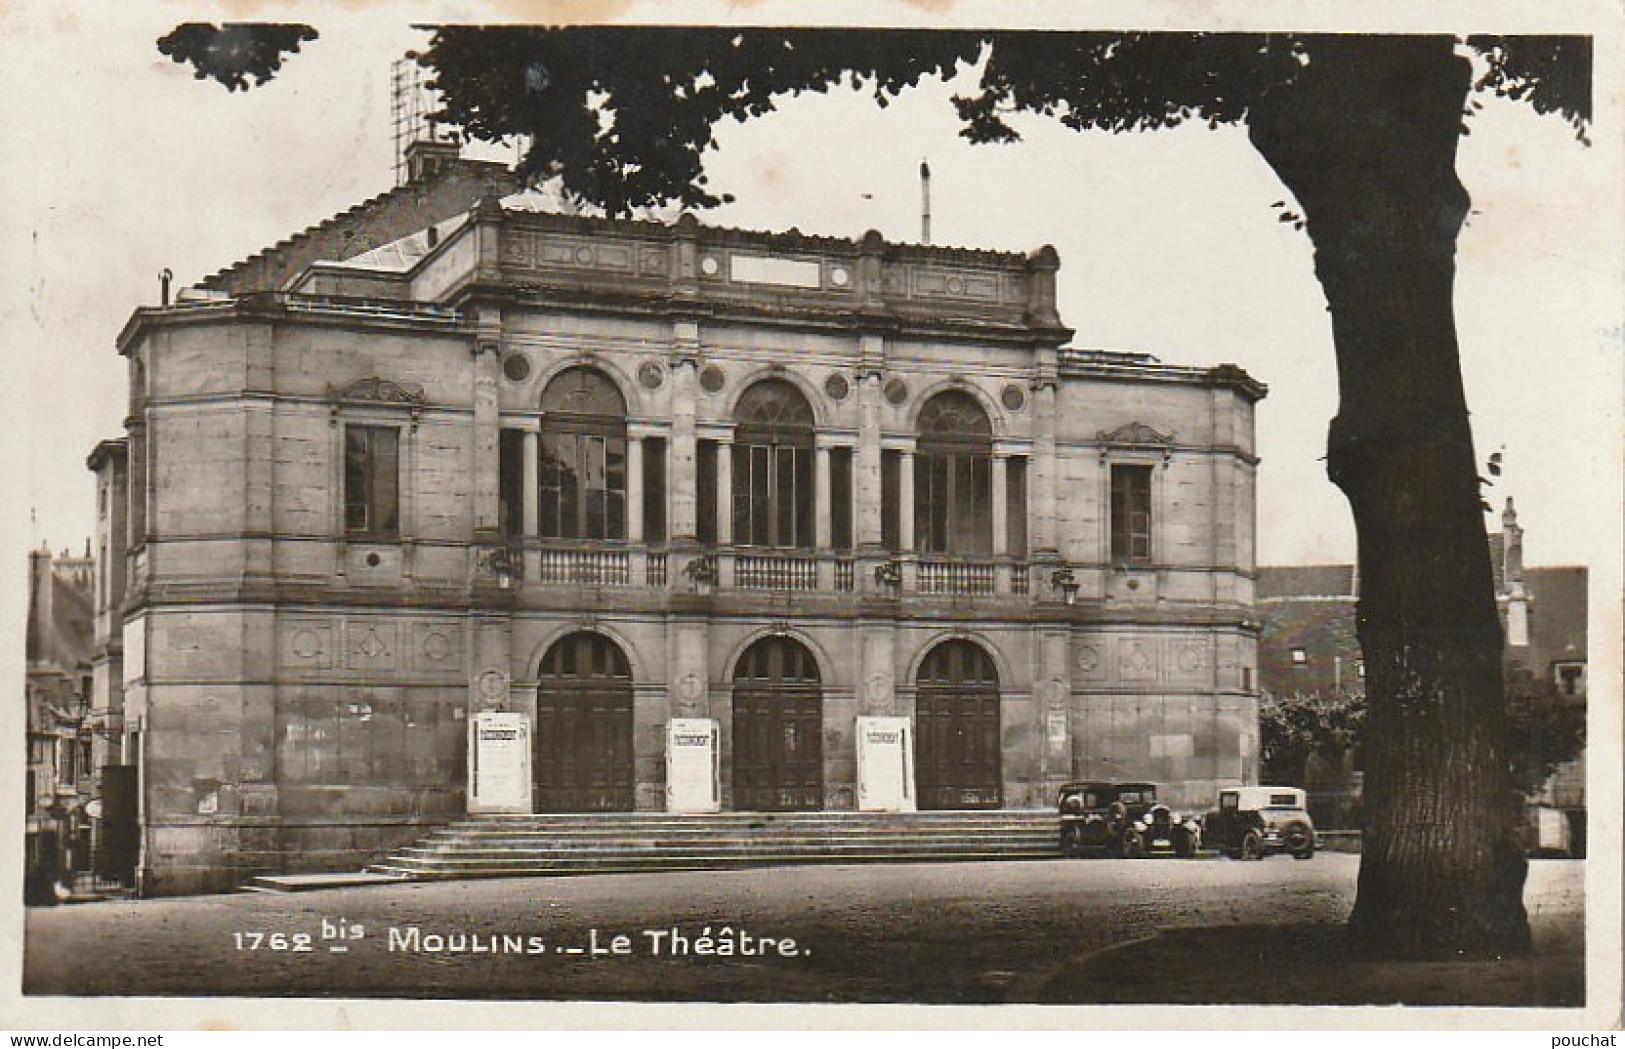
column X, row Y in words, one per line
column 498, row 763
column 885, row 764
column 693, row 765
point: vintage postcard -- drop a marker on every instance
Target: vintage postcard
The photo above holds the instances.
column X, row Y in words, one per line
column 1089, row 520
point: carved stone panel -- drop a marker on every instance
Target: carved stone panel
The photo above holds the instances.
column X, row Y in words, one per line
column 1136, row 660
column 370, row 644
column 437, row 647
column 308, row 645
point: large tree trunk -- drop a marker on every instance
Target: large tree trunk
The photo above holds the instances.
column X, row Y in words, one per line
column 1366, row 140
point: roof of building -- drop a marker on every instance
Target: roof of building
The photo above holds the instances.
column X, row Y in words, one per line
column 1558, row 615
column 1285, row 582
column 362, row 227
column 60, row 623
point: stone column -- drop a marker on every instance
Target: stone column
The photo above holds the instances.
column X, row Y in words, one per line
column 725, row 492
column 487, row 422
column 866, row 497
column 905, row 509
column 634, row 489
column 1045, row 538
column 532, row 521
column 822, row 504
column 683, row 482
column 1001, row 503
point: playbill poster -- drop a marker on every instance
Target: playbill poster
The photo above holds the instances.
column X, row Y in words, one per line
column 547, row 515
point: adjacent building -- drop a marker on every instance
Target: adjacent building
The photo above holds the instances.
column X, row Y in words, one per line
column 59, row 779
column 1308, row 647
column 616, row 475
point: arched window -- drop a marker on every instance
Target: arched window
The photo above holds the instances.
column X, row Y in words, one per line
column 953, row 477
column 773, row 467
column 582, row 465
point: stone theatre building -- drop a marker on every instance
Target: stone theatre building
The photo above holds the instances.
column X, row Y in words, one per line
column 606, row 474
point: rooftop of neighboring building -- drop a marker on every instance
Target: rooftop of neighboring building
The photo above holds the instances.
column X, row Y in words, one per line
column 1290, row 582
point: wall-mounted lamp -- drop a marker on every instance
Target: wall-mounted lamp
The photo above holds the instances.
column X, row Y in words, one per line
column 1066, row 583
column 702, row 575
column 889, row 577
column 502, row 563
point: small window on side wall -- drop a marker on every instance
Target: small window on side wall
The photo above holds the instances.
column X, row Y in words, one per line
column 1131, row 514
column 372, row 491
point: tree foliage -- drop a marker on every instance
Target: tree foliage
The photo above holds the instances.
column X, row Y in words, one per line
column 1545, row 729
column 1293, row 727
column 232, row 53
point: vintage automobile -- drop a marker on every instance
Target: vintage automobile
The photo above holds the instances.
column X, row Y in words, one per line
column 1253, row 822
column 1122, row 819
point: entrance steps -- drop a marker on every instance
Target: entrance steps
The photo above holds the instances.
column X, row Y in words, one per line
column 626, row 842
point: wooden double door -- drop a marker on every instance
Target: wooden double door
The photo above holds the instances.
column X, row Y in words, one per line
column 583, row 752
column 778, row 729
column 956, row 717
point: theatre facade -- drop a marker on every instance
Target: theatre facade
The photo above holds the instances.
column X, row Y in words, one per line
column 653, row 485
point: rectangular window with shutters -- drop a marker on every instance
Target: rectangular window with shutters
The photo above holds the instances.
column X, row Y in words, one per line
column 372, row 481
column 1015, row 505
column 511, row 482
column 654, row 490
column 705, row 492
column 840, row 498
column 891, row 499
column 1131, row 514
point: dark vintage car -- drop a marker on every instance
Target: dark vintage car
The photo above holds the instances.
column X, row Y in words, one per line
column 1122, row 819
column 1253, row 822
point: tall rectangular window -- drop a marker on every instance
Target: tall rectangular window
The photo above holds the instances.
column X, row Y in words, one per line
column 1015, row 505
column 705, row 492
column 953, row 503
column 511, row 482
column 372, row 489
column 1131, row 514
column 840, row 498
column 772, row 495
column 654, row 490
column 582, row 485
column 891, row 500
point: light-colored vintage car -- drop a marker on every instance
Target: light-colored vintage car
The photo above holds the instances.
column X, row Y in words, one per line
column 1250, row 823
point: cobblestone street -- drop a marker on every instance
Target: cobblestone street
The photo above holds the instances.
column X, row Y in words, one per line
column 931, row 933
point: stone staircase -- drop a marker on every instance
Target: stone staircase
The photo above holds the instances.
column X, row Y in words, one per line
column 513, row 846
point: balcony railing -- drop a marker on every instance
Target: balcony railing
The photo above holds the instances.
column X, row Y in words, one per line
column 956, row 577
column 774, row 572
column 584, row 567
column 840, row 573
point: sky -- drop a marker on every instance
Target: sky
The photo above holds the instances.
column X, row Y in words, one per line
column 1170, row 243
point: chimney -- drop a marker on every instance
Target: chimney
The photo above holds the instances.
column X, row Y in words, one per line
column 425, row 159
column 1512, row 577
column 925, row 203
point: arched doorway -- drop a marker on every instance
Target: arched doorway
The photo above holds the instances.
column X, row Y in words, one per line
column 584, row 727
column 778, row 728
column 956, row 719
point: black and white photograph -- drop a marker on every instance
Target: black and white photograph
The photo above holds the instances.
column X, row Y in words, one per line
column 1090, row 518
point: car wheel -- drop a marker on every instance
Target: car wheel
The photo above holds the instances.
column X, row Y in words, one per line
column 1252, row 846
column 1072, row 842
column 1133, row 845
column 1305, row 853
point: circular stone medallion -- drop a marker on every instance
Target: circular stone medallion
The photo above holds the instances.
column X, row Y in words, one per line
column 516, row 366
column 712, row 379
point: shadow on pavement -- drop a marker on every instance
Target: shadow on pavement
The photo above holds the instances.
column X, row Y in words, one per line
column 1310, row 965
